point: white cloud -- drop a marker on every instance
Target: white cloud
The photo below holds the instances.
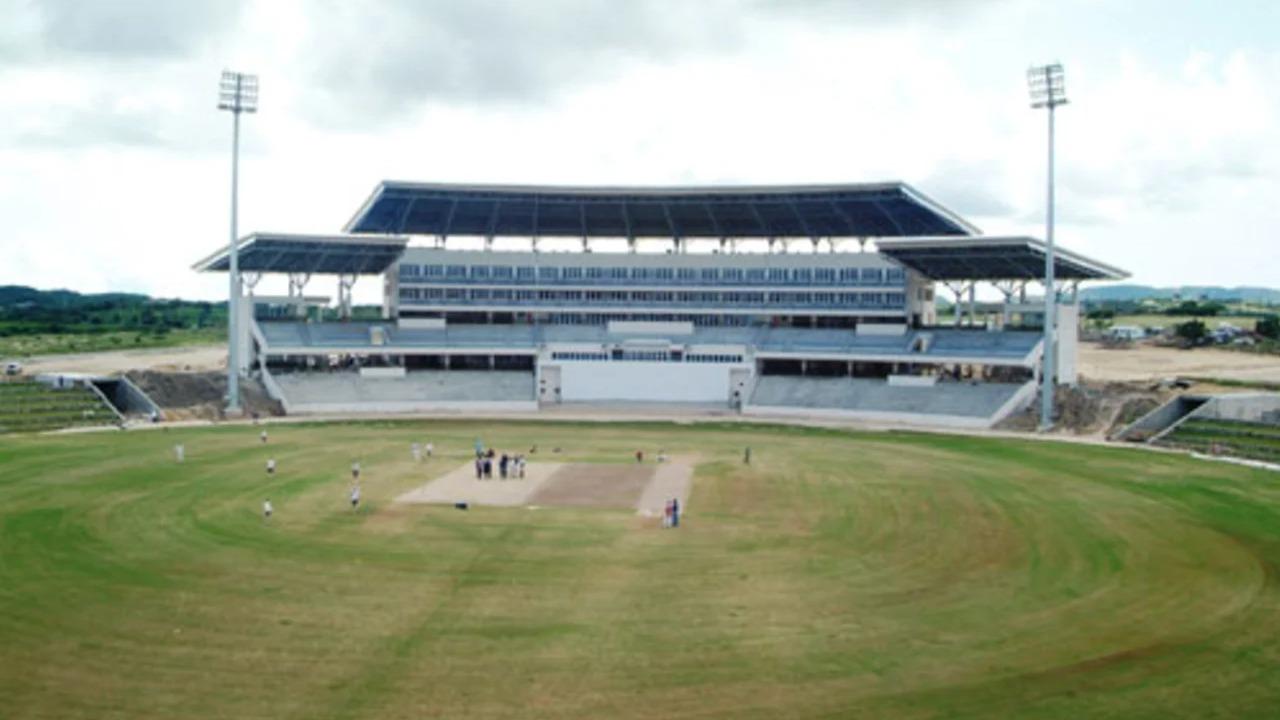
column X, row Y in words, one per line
column 117, row 169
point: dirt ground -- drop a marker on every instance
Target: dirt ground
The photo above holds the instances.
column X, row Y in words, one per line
column 200, row 395
column 1149, row 362
column 180, row 359
column 592, row 485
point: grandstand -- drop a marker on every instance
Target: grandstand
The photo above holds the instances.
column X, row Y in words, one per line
column 823, row 332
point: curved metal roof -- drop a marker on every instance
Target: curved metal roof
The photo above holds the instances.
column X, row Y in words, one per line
column 992, row 258
column 315, row 254
column 863, row 210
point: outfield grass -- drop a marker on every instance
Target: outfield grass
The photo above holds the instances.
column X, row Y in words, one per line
column 849, row 575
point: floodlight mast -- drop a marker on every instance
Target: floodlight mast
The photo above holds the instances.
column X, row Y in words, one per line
column 1048, row 90
column 237, row 93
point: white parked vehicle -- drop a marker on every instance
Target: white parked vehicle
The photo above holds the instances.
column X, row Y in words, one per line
column 13, row 368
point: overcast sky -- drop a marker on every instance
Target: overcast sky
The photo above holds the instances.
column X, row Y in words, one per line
column 116, row 164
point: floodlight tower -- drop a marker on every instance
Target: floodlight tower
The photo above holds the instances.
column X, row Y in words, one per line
column 1048, row 90
column 237, row 93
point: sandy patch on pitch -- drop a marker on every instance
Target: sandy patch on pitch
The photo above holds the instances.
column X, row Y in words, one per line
column 646, row 488
column 461, row 485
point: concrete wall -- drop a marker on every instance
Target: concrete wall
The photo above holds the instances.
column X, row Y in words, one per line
column 1247, row 407
column 1068, row 332
column 645, row 381
column 637, row 327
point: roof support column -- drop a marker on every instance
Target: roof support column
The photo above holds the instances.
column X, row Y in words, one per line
column 297, row 284
column 631, row 244
column 345, row 283
column 250, row 281
column 488, row 242
column 973, row 304
column 958, row 290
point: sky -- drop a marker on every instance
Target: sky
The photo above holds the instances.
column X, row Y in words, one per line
column 116, row 163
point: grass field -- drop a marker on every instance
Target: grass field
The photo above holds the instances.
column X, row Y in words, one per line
column 849, row 575
column 60, row 343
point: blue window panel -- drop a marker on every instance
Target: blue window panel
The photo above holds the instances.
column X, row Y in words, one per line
column 456, row 271
column 548, row 273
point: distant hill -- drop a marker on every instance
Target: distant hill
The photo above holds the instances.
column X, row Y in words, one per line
column 1260, row 295
column 21, row 295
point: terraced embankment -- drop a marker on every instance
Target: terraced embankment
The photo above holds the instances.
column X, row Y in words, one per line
column 863, row 575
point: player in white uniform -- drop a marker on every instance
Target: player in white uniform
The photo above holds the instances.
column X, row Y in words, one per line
column 180, row 452
column 355, row 498
column 267, row 509
column 271, row 466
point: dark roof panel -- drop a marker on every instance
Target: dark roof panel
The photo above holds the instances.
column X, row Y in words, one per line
column 992, row 258
column 869, row 210
column 315, row 254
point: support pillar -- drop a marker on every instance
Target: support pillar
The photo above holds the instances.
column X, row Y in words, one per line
column 297, row 286
column 345, row 283
column 973, row 304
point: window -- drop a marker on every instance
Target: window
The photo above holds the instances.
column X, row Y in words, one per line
column 574, row 273
column 593, row 273
column 848, row 275
column 408, row 293
column 686, row 274
column 433, row 271
column 709, row 275
column 504, row 295
column 480, row 294
column 895, row 275
column 434, row 294
column 479, row 272
column 753, row 298
column 871, row 276
column 524, row 295
column 663, row 273
column 455, row 294
column 755, row 275
column 548, row 274
column 410, row 270
column 456, row 271
column 618, row 273
column 895, row 299
column 802, row 275
column 777, row 275
column 731, row 274
column 524, row 273
column 639, row 273
column 824, row 298
column 501, row 272
column 824, row 276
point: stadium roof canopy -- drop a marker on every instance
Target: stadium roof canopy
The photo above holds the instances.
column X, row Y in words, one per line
column 991, row 258
column 315, row 254
column 865, row 210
